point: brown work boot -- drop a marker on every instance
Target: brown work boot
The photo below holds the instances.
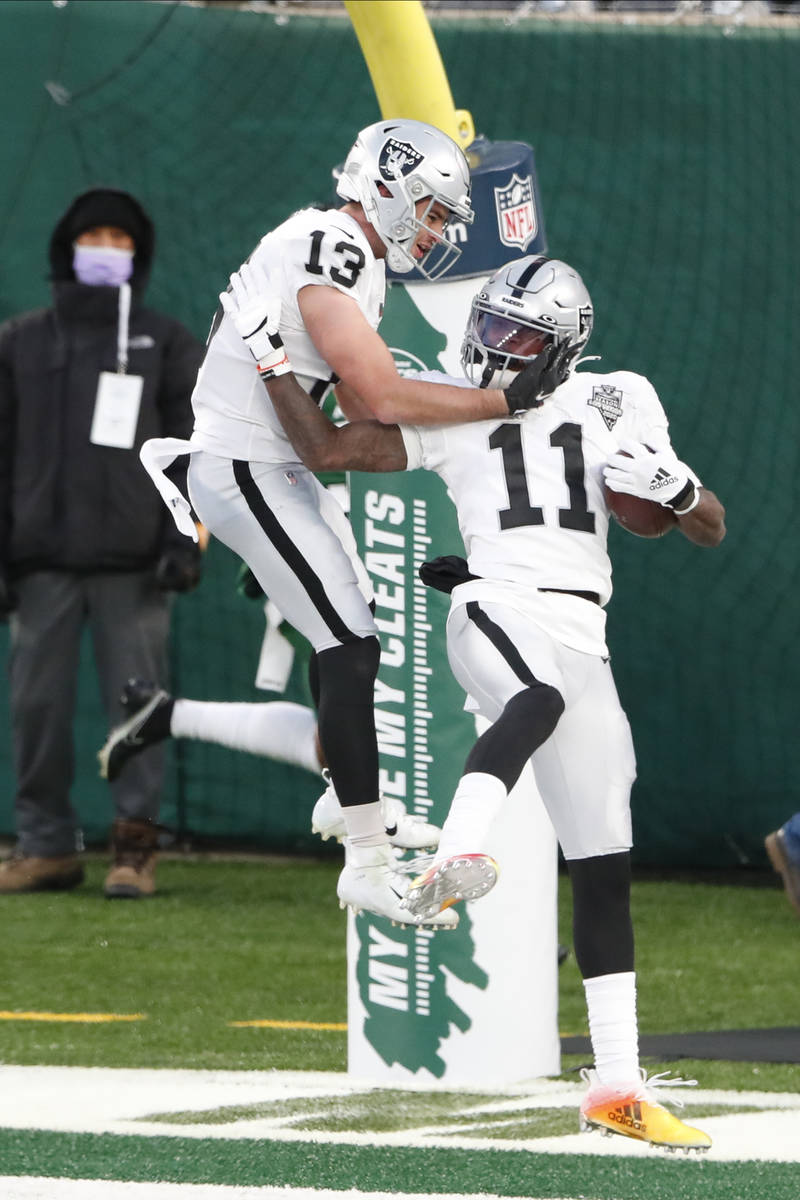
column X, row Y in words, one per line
column 132, row 876
column 23, row 874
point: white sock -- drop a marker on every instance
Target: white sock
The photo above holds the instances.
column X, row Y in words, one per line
column 365, row 831
column 475, row 805
column 611, row 1004
column 277, row 729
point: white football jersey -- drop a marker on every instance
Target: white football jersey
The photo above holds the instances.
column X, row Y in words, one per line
column 529, row 495
column 233, row 414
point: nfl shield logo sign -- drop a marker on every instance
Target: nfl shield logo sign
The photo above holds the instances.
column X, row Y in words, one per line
column 516, row 215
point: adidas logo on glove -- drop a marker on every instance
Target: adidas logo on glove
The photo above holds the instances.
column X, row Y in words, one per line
column 662, row 479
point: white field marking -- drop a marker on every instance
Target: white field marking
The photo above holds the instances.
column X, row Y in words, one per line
column 108, row 1100
column 29, row 1188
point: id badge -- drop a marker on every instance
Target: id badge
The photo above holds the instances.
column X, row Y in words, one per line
column 116, row 410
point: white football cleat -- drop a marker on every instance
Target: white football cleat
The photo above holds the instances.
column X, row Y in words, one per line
column 379, row 888
column 460, row 877
column 405, row 830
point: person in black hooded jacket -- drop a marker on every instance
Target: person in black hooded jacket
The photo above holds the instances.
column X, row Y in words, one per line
column 84, row 537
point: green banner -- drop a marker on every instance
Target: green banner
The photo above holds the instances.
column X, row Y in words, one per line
column 441, row 1002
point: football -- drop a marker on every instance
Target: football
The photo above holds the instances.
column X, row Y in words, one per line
column 645, row 518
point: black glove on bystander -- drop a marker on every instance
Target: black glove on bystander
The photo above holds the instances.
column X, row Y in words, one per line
column 180, row 568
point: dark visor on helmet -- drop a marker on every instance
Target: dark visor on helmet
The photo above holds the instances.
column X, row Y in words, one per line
column 510, row 337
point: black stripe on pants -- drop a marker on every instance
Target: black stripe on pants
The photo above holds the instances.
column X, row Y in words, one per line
column 527, row 719
column 289, row 552
column 502, row 643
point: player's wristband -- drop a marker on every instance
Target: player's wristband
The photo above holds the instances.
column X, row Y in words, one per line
column 686, row 499
column 274, row 364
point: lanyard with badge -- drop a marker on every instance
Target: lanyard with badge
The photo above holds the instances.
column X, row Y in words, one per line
column 119, row 395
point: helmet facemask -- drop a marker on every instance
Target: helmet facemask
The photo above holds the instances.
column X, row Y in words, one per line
column 442, row 254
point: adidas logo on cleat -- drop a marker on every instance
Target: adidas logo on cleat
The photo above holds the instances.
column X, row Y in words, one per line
column 630, row 1116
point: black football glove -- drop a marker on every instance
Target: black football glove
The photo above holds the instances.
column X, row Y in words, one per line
column 539, row 379
column 180, row 568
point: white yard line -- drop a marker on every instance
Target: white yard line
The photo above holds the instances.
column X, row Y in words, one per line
column 94, row 1099
column 13, row 1188
column 107, row 1100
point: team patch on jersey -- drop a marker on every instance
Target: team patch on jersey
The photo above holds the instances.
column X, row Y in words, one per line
column 608, row 400
column 397, row 158
column 516, row 215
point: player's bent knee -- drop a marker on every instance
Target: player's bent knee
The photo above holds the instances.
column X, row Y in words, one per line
column 541, row 705
column 354, row 662
column 551, row 703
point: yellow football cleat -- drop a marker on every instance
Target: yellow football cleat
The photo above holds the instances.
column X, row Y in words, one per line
column 460, row 877
column 633, row 1112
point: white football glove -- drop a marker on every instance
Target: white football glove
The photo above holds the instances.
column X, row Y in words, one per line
column 653, row 475
column 256, row 313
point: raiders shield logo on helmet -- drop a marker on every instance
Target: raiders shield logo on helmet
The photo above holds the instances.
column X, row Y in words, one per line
column 397, row 158
column 516, row 215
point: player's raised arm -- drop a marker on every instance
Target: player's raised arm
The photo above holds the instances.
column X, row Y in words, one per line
column 361, row 358
column 321, row 445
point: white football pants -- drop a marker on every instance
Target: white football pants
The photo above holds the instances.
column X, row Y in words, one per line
column 587, row 766
column 294, row 537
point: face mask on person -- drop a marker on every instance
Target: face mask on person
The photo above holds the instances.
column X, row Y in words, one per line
column 102, row 266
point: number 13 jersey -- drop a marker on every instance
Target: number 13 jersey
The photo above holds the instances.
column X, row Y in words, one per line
column 530, row 500
column 233, row 414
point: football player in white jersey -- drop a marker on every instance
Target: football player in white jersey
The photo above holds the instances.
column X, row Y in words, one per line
column 401, row 183
column 278, row 729
column 526, row 629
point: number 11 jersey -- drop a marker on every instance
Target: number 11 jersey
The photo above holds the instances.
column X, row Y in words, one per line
column 530, row 499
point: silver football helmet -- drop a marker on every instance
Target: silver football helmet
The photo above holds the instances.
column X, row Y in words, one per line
column 392, row 166
column 527, row 307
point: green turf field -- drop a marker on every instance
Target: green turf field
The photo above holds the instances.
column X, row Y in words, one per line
column 239, row 941
column 393, row 1171
column 242, row 941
